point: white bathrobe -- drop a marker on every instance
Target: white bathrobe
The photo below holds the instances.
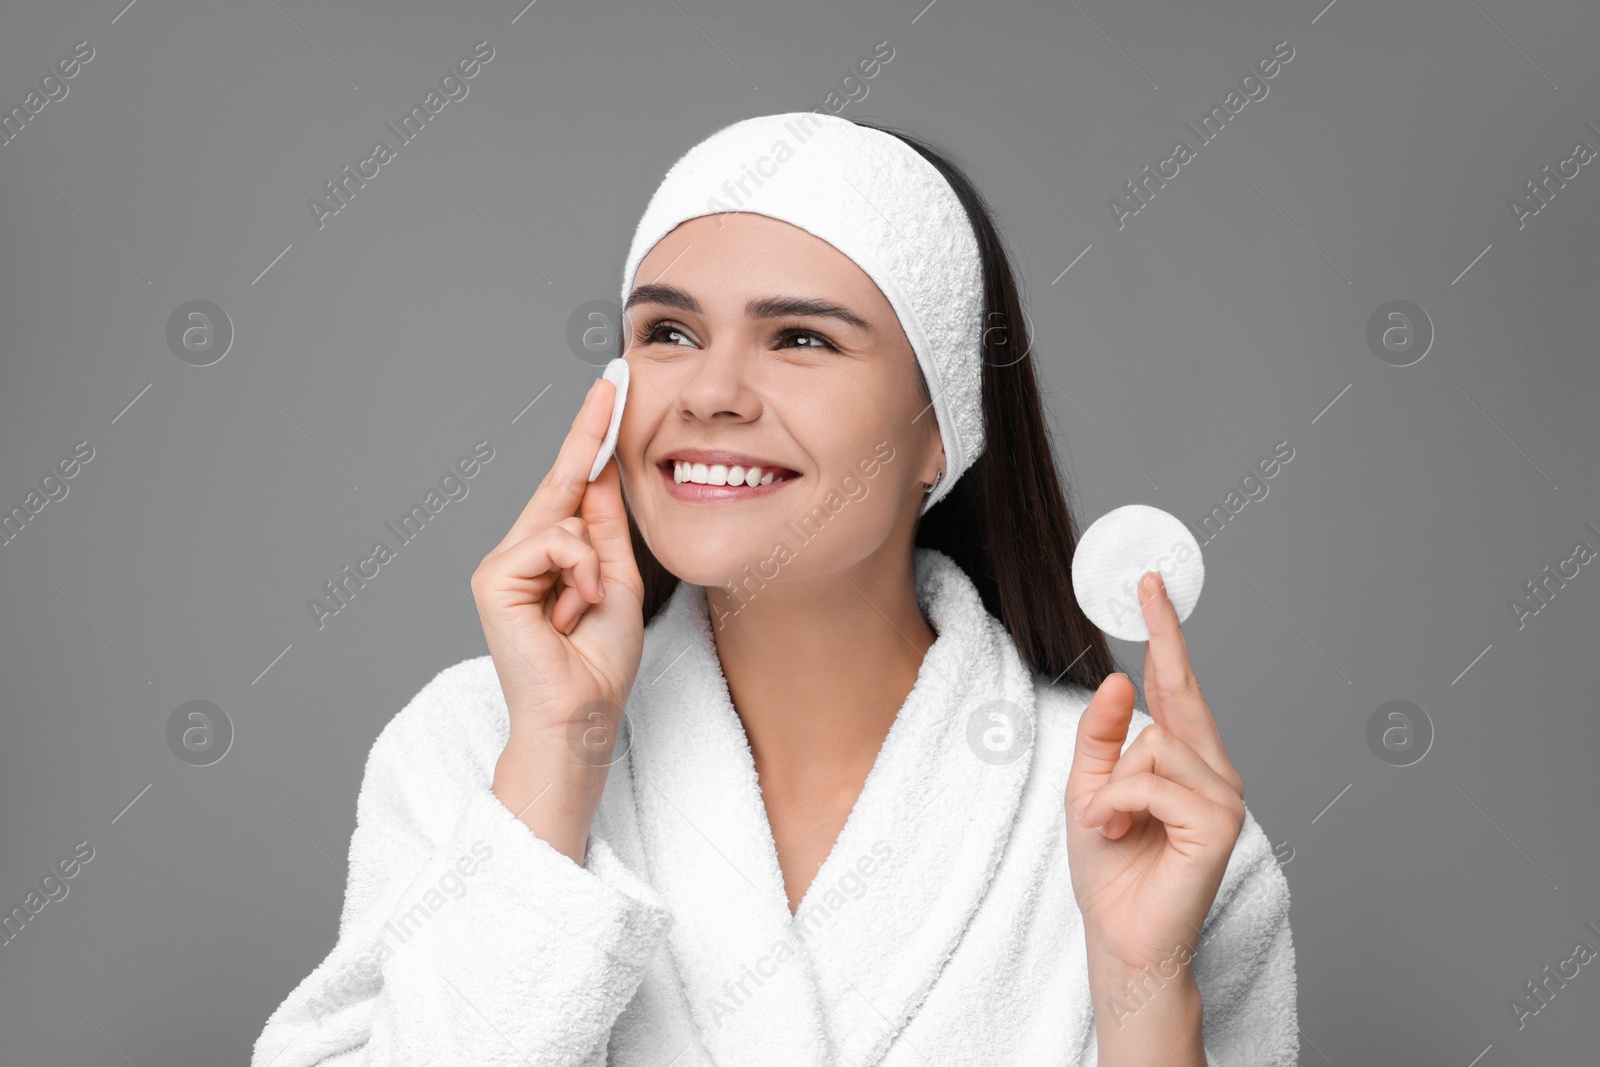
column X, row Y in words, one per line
column 942, row 928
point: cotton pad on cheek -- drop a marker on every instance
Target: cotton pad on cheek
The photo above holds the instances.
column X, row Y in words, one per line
column 617, row 373
column 1116, row 550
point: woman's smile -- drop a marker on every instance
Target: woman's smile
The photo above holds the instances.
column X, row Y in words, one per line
column 706, row 477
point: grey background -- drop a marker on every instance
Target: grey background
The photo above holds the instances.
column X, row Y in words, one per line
column 1228, row 315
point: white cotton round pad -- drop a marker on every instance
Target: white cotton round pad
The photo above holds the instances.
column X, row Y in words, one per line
column 1117, row 550
column 617, row 373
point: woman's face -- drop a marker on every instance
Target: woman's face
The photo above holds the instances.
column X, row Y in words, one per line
column 753, row 343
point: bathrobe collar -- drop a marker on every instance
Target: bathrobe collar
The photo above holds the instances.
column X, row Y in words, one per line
column 837, row 981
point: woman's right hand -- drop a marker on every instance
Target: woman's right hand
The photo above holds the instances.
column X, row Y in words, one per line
column 562, row 606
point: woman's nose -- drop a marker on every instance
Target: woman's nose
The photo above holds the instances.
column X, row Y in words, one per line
column 719, row 384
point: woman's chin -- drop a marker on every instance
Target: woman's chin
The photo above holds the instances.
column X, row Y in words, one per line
column 739, row 557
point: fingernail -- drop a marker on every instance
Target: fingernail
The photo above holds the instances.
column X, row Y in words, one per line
column 592, row 387
column 1153, row 583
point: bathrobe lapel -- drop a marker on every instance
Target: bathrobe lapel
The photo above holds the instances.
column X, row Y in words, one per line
column 709, row 852
column 835, row 982
column 941, row 800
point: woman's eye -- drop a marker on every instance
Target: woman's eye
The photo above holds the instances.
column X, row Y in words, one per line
column 815, row 340
column 666, row 333
column 657, row 334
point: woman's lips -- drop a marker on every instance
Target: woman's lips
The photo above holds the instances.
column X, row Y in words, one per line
column 696, row 493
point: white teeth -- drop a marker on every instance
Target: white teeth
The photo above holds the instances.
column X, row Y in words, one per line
column 720, row 474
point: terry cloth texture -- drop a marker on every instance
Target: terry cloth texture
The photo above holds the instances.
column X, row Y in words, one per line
column 942, row 928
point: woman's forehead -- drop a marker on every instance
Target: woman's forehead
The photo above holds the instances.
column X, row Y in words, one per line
column 751, row 264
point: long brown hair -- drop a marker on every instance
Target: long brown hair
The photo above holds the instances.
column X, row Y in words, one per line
column 1006, row 521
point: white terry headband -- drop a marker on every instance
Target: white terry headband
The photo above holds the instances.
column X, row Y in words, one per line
column 877, row 200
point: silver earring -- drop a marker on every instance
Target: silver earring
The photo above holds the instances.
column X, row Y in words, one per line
column 937, row 478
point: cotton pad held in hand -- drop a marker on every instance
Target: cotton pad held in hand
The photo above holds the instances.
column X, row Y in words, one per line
column 617, row 373
column 1117, row 550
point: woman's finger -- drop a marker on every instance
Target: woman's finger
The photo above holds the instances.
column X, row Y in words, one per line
column 523, row 574
column 1158, row 751
column 1170, row 686
column 580, row 586
column 1169, row 680
column 1102, row 731
column 587, row 582
column 568, row 609
column 1187, row 816
column 606, row 517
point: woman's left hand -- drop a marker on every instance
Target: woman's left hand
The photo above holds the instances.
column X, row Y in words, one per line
column 1149, row 831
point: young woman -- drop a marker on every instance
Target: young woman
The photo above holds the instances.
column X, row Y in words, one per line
column 772, row 761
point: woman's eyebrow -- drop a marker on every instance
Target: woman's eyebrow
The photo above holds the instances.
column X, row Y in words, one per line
column 768, row 307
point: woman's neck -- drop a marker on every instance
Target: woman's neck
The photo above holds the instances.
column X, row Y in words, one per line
column 818, row 669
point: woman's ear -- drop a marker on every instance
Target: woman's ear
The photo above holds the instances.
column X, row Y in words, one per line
column 937, row 471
